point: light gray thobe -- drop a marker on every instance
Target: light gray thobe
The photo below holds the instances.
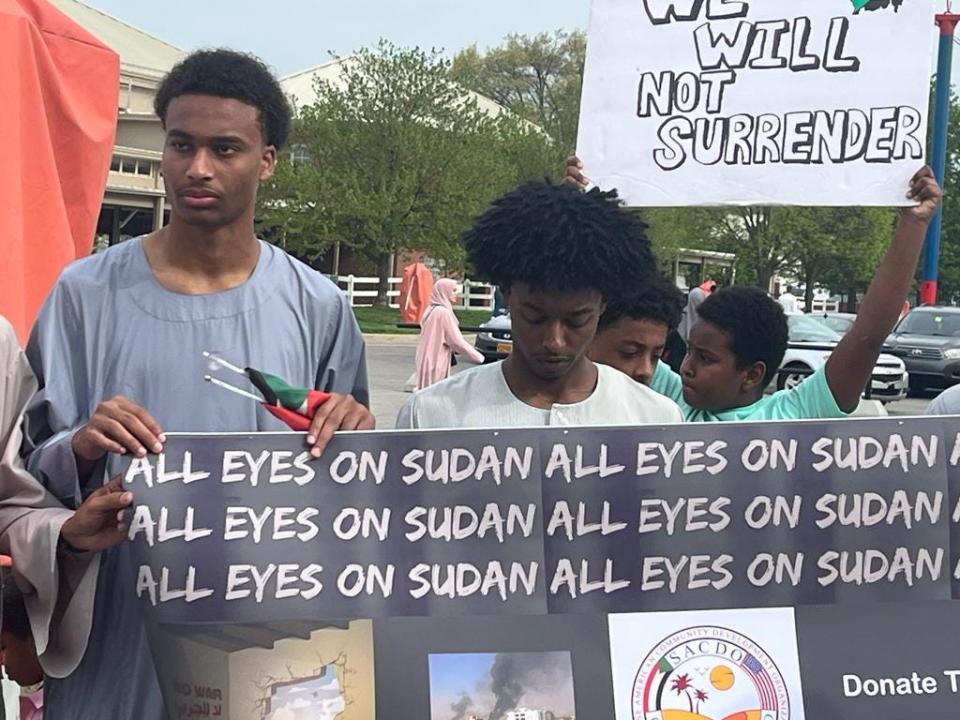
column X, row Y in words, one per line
column 109, row 328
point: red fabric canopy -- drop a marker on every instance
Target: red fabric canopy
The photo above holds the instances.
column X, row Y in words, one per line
column 59, row 114
column 415, row 289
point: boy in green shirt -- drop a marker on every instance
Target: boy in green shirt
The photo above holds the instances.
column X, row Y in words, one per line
column 735, row 349
column 739, row 340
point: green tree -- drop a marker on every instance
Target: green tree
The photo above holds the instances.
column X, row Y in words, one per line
column 674, row 229
column 839, row 247
column 395, row 157
column 757, row 236
column 293, row 208
column 835, row 247
column 538, row 78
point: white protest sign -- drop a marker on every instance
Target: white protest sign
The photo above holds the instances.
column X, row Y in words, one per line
column 779, row 102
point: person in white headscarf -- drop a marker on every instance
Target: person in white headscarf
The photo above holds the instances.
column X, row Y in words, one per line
column 789, row 301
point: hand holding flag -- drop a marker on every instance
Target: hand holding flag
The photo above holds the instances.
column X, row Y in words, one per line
column 292, row 405
column 319, row 414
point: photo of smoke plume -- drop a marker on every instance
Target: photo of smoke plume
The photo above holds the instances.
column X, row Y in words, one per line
column 443, row 668
column 501, row 686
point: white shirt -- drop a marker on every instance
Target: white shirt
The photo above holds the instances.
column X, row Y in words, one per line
column 788, row 301
column 481, row 398
column 11, row 698
column 947, row 403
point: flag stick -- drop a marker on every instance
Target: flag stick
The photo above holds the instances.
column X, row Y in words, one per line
column 228, row 365
column 231, row 388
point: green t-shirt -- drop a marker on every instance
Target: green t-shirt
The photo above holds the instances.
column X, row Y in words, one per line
column 810, row 400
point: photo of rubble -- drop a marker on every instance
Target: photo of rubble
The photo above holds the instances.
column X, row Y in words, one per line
column 274, row 671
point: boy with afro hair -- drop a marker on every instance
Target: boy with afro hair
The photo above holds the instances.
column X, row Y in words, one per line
column 559, row 256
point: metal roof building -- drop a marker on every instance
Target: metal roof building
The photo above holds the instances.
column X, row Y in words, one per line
column 134, row 200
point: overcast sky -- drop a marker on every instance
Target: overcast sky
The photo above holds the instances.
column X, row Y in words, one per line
column 293, row 35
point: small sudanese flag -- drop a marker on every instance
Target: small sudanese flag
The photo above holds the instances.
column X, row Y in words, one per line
column 294, row 406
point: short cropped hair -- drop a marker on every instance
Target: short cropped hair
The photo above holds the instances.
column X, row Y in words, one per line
column 233, row 75
column 555, row 237
column 755, row 322
column 659, row 300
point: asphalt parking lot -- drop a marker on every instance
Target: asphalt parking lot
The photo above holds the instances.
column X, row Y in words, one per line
column 390, row 361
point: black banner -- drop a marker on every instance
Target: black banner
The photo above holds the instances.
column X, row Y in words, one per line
column 237, row 528
column 953, row 473
column 768, row 572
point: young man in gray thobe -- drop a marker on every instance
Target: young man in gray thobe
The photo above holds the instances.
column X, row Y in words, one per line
column 118, row 347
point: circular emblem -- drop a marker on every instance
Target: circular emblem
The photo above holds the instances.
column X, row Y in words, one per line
column 709, row 673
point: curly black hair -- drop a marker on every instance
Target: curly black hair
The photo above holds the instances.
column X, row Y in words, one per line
column 755, row 323
column 234, row 75
column 555, row 237
column 658, row 300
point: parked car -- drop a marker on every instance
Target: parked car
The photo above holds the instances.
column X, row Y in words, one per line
column 842, row 324
column 494, row 340
column 928, row 341
column 811, row 342
column 836, row 321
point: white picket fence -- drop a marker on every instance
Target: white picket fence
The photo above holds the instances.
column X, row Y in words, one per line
column 363, row 290
column 824, row 306
column 822, row 303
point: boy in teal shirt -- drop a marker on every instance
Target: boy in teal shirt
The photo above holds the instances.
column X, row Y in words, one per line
column 739, row 340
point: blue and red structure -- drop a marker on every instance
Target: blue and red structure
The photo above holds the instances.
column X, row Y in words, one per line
column 947, row 22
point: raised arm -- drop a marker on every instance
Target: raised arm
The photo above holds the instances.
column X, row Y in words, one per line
column 851, row 364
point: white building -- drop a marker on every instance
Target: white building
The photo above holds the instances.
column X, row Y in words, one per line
column 525, row 714
column 134, row 201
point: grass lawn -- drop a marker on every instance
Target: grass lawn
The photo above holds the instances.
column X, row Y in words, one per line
column 384, row 320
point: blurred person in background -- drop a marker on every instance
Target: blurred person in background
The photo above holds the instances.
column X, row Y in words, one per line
column 440, row 337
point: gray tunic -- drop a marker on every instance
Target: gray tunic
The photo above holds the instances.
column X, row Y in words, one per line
column 947, row 403
column 109, row 328
column 30, row 521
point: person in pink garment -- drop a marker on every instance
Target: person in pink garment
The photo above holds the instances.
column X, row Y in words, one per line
column 440, row 337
